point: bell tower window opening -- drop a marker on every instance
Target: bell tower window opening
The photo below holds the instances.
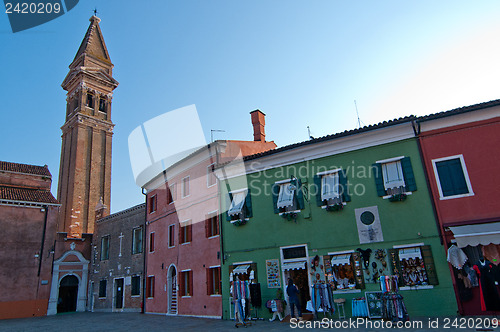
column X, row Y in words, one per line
column 103, row 105
column 90, row 100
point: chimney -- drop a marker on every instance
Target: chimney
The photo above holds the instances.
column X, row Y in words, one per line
column 259, row 123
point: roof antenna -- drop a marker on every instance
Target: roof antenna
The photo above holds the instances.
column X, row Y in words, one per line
column 309, row 133
column 212, row 133
column 95, row 11
column 357, row 113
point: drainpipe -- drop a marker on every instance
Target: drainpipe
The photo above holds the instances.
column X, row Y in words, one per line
column 417, row 131
column 43, row 239
column 143, row 309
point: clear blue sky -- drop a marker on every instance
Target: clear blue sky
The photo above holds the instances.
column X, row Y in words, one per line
column 303, row 63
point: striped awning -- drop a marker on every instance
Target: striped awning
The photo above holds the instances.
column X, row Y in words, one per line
column 241, row 269
column 473, row 235
column 294, row 266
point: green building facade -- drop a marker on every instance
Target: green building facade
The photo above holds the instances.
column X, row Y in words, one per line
column 344, row 209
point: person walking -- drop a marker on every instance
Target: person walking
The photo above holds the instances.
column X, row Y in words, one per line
column 293, row 299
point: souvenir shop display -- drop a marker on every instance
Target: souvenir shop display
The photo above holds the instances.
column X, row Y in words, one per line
column 344, row 271
column 488, row 279
column 359, row 308
column 273, row 273
column 316, row 270
column 389, row 283
column 394, row 308
column 375, row 264
column 241, row 295
column 374, row 304
column 322, row 299
column 412, row 267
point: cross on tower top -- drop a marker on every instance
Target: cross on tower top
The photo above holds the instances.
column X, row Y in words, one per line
column 95, row 11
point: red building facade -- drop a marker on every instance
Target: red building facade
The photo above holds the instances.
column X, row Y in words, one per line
column 28, row 219
column 460, row 151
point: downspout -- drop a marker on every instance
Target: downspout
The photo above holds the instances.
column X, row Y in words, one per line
column 221, row 236
column 43, row 239
column 417, row 131
column 143, row 309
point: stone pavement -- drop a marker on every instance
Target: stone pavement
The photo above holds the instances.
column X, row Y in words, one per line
column 94, row 322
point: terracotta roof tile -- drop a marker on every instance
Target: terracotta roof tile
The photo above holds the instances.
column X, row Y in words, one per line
column 24, row 168
column 27, row 195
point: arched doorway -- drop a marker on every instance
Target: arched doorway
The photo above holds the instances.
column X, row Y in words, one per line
column 172, row 290
column 68, row 294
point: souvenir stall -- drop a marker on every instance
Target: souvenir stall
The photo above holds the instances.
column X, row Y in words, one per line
column 245, row 293
column 474, row 256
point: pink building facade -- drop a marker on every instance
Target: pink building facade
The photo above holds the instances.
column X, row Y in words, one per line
column 182, row 230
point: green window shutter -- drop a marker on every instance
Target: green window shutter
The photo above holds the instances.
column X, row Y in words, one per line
column 410, row 183
column 228, row 205
column 393, row 261
column 248, row 205
column 317, row 184
column 451, row 177
column 379, row 179
column 343, row 185
column 300, row 195
column 275, row 191
column 430, row 268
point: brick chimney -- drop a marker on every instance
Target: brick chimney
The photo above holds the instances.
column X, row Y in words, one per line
column 259, row 124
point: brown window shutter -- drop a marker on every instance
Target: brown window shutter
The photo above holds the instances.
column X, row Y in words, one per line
column 218, row 281
column 191, row 283
column 207, row 227
column 430, row 268
column 393, row 260
column 181, row 283
column 216, row 225
column 190, row 233
column 209, row 281
column 181, row 231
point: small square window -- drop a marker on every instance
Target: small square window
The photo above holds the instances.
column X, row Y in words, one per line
column 185, row 234
column 212, row 225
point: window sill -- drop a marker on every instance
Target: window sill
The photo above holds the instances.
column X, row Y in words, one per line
column 215, row 295
column 135, row 295
column 213, row 236
column 295, row 211
column 325, row 206
column 186, row 296
column 456, row 196
column 185, row 243
column 170, row 247
column 405, row 288
column 389, row 196
column 346, row 291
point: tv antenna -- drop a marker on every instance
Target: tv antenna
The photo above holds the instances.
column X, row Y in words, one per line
column 212, row 133
column 309, row 133
column 357, row 114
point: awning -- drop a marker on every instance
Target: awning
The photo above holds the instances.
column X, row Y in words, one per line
column 473, row 235
column 294, row 266
column 241, row 269
column 341, row 259
column 408, row 253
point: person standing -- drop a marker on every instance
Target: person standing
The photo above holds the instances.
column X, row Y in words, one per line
column 293, row 298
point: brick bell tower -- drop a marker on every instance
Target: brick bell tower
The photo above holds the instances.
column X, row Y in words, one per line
column 85, row 167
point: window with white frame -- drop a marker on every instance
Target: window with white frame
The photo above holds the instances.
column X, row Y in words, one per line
column 240, row 205
column 171, row 236
column 330, row 186
column 185, row 186
column 287, row 196
column 394, row 176
column 211, row 178
column 136, row 240
column 452, row 177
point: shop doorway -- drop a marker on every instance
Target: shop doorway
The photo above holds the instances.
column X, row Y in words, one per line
column 172, row 290
column 300, row 279
column 119, row 293
column 68, row 294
